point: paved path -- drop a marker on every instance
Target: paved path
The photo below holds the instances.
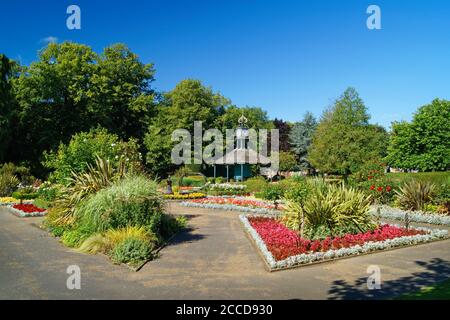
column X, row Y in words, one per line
column 213, row 260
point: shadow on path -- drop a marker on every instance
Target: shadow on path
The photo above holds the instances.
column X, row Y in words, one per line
column 436, row 270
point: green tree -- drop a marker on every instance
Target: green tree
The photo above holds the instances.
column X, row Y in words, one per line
column 257, row 118
column 7, row 103
column 344, row 140
column 424, row 143
column 123, row 93
column 300, row 138
column 189, row 101
column 72, row 89
column 84, row 148
column 288, row 161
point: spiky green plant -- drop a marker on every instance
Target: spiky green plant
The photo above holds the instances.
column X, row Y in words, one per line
column 414, row 195
column 95, row 178
column 8, row 183
column 330, row 206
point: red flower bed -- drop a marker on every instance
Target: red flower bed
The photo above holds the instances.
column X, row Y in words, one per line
column 237, row 202
column 283, row 242
column 28, row 208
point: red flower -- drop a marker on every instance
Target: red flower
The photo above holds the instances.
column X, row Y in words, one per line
column 388, row 188
column 27, row 208
column 372, row 187
column 380, row 189
column 283, row 242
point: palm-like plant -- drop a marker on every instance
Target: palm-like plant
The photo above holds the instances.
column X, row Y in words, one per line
column 413, row 195
column 96, row 177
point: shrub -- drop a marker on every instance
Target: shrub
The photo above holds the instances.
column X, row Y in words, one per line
column 73, row 238
column 25, row 194
column 83, row 149
column 414, row 195
column 8, row 183
column 255, row 184
column 132, row 251
column 329, row 209
column 132, row 201
column 273, row 192
column 105, row 242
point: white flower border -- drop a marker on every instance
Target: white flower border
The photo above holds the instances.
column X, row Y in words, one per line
column 391, row 213
column 230, row 207
column 7, row 204
column 307, row 258
column 23, row 214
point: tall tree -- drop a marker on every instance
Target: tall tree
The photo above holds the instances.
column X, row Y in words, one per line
column 424, row 143
column 189, row 101
column 344, row 139
column 257, row 118
column 300, row 139
column 283, row 132
column 7, row 103
column 72, row 89
column 123, row 92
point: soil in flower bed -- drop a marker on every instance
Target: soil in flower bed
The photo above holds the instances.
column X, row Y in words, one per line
column 28, row 208
column 283, row 242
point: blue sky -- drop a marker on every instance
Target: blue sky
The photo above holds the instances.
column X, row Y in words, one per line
column 284, row 56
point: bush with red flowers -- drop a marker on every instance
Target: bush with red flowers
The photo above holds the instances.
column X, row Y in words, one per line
column 283, row 242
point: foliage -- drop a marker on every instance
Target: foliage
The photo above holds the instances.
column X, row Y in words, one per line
column 284, row 130
column 131, row 201
column 132, row 251
column 73, row 238
column 7, row 103
column 423, row 144
column 72, row 89
column 257, row 118
column 331, row 208
column 255, row 184
column 300, row 138
column 8, row 183
column 344, row 140
column 287, row 160
column 373, row 180
column 25, row 194
column 189, row 101
column 414, row 195
column 84, row 148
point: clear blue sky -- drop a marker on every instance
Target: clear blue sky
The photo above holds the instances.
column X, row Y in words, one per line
column 284, row 56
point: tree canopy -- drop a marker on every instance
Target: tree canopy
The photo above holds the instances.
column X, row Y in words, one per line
column 424, row 143
column 344, row 139
column 300, row 138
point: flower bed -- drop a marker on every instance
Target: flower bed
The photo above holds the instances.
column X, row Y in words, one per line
column 184, row 196
column 283, row 248
column 234, row 204
column 27, row 210
column 6, row 201
column 387, row 212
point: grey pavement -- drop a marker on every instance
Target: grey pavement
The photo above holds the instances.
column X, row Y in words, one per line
column 214, row 259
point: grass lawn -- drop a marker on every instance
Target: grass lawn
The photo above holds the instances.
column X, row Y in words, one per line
column 440, row 291
column 438, row 178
